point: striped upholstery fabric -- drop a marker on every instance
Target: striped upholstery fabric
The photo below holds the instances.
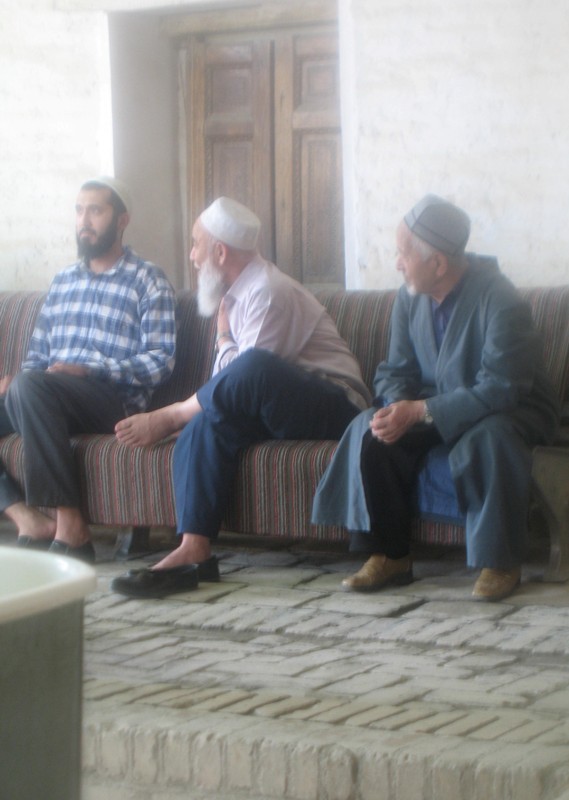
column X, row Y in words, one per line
column 195, row 352
column 18, row 312
column 550, row 312
column 276, row 480
column 362, row 318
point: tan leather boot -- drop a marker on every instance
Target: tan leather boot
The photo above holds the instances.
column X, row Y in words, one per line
column 379, row 571
column 495, row 584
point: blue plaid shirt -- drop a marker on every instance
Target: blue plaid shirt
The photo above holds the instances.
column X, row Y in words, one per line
column 119, row 323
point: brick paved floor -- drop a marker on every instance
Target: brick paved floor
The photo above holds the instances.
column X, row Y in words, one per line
column 275, row 684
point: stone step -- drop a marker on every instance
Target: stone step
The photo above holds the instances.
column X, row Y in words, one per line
column 135, row 753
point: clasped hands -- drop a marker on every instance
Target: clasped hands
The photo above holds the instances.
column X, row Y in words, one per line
column 390, row 423
column 60, row 367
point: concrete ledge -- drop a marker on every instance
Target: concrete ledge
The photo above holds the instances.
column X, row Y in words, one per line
column 131, row 752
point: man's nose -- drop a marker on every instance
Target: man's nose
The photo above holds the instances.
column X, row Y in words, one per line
column 83, row 220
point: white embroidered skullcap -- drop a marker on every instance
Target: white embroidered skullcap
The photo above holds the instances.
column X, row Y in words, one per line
column 232, row 223
column 439, row 223
column 116, row 186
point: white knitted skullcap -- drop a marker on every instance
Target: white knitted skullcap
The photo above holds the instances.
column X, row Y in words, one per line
column 232, row 223
column 116, row 186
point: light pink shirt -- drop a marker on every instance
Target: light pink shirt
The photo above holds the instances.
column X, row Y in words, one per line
column 270, row 310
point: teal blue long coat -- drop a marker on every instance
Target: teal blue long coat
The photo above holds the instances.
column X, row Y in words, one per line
column 490, row 400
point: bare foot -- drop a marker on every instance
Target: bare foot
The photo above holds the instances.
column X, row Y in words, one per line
column 30, row 521
column 193, row 549
column 141, row 429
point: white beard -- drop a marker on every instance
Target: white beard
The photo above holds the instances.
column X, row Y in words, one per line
column 211, row 288
column 411, row 290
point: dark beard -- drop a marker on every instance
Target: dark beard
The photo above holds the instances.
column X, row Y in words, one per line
column 101, row 245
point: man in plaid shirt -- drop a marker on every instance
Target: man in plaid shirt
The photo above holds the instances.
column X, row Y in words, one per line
column 104, row 340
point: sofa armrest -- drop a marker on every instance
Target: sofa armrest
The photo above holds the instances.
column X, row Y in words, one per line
column 550, row 473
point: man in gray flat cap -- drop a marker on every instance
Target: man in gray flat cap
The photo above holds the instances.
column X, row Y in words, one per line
column 464, row 369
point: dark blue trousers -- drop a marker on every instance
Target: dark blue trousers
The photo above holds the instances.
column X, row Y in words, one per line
column 259, row 396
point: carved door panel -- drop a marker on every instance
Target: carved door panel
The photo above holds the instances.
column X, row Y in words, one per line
column 264, row 127
column 308, row 167
column 231, row 150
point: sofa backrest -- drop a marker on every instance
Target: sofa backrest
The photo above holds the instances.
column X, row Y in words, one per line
column 362, row 317
column 18, row 312
column 195, row 341
column 550, row 311
column 195, row 352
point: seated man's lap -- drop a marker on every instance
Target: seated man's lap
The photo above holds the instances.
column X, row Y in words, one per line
column 291, row 401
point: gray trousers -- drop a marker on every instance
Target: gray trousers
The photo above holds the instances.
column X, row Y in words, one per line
column 46, row 409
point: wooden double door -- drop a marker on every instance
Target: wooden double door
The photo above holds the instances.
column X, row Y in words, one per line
column 263, row 126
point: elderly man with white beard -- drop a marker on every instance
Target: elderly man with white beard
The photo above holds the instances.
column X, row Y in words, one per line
column 282, row 372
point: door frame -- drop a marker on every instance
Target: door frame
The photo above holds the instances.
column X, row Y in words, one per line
column 231, row 21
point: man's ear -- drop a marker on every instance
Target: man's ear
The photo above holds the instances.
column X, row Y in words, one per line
column 221, row 251
column 441, row 262
column 123, row 220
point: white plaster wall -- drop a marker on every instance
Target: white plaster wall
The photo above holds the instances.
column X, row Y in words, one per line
column 467, row 100
column 145, row 137
column 55, row 130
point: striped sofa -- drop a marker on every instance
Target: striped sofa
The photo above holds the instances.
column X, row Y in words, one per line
column 132, row 487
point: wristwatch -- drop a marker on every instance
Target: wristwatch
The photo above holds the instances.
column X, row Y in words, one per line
column 428, row 417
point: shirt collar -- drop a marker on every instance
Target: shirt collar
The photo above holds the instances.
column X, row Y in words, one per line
column 120, row 265
column 450, row 298
column 239, row 289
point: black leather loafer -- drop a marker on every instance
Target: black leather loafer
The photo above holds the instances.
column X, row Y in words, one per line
column 156, row 583
column 85, row 552
column 33, row 544
column 208, row 571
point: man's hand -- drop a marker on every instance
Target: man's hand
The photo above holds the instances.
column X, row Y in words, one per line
column 70, row 369
column 222, row 319
column 390, row 423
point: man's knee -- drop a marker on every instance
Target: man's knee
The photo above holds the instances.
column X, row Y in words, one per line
column 490, row 433
column 24, row 385
column 255, row 362
column 26, row 394
column 492, row 445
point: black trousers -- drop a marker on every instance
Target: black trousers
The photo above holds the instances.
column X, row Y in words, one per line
column 389, row 472
column 46, row 409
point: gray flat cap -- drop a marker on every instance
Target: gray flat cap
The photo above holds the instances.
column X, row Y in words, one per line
column 439, row 223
